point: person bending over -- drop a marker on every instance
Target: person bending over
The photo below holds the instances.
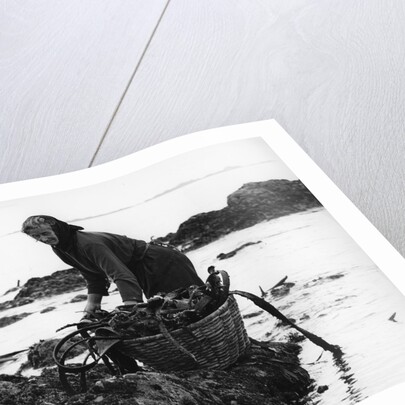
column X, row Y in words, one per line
column 134, row 265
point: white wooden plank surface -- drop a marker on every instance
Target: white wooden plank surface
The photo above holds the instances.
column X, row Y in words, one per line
column 330, row 72
column 63, row 67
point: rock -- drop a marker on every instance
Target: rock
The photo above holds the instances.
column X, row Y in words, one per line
column 59, row 282
column 335, row 276
column 17, row 390
column 9, row 387
column 47, row 309
column 15, row 303
column 7, row 304
column 24, row 301
column 187, row 400
column 117, row 384
column 251, row 204
column 8, row 320
column 41, row 354
column 295, row 337
column 252, row 314
column 78, row 298
column 322, row 388
column 99, row 386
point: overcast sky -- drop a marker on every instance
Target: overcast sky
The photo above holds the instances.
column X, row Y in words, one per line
column 149, row 202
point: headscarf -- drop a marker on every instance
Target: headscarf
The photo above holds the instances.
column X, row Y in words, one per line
column 64, row 231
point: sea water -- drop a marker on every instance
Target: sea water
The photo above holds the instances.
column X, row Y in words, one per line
column 338, row 294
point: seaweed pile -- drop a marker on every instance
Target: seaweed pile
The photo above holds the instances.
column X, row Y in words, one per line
column 173, row 310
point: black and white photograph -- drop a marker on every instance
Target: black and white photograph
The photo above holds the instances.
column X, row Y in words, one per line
column 211, row 277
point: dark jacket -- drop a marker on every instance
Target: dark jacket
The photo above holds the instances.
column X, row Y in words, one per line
column 133, row 265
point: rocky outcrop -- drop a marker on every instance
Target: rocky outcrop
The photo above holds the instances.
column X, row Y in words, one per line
column 59, row 282
column 263, row 376
column 15, row 303
column 251, row 204
column 40, row 354
column 8, row 320
column 79, row 298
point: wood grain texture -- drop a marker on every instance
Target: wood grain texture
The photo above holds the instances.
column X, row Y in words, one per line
column 63, row 68
column 330, row 72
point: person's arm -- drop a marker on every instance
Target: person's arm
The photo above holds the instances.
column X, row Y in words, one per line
column 93, row 303
column 127, row 284
column 96, row 282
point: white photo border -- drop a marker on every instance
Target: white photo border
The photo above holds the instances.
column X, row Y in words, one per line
column 373, row 243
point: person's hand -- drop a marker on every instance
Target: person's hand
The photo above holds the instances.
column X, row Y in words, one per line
column 93, row 303
column 90, row 312
column 95, row 316
column 88, row 317
column 92, row 307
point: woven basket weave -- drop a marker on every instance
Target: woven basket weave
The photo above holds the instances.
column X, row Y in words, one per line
column 215, row 341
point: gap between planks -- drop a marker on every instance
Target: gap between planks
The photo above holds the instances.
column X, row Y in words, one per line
column 129, row 84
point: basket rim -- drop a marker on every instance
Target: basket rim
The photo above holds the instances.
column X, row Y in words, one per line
column 193, row 326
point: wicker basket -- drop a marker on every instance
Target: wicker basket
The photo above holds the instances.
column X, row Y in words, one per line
column 215, row 342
